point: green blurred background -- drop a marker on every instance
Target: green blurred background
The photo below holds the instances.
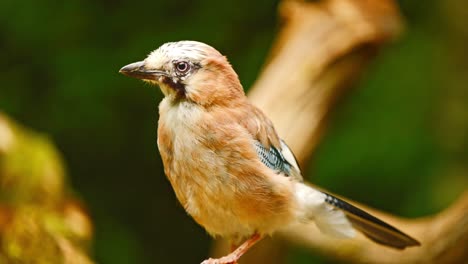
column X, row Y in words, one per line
column 398, row 142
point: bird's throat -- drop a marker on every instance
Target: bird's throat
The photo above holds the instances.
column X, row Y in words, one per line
column 174, row 85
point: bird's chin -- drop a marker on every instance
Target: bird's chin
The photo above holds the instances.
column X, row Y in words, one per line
column 152, row 82
column 165, row 89
column 159, row 84
column 168, row 87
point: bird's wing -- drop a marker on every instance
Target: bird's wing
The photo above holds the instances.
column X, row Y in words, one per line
column 270, row 149
column 281, row 160
column 331, row 214
column 371, row 226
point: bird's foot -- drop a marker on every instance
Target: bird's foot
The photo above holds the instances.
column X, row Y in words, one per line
column 236, row 254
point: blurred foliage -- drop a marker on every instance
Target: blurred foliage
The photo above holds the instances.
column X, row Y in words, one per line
column 397, row 142
column 39, row 222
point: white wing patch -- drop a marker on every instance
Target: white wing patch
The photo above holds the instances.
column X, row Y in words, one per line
column 329, row 220
column 291, row 159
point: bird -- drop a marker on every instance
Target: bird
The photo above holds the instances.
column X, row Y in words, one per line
column 227, row 165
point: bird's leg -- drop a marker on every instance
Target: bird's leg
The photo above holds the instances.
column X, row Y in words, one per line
column 234, row 256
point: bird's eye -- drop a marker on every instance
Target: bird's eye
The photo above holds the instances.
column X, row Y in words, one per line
column 182, row 66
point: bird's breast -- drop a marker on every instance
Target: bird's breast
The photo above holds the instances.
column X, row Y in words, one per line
column 215, row 174
column 200, row 182
column 196, row 174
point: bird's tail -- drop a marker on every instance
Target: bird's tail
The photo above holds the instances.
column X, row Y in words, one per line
column 372, row 227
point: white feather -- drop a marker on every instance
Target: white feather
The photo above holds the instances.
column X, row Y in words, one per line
column 329, row 220
column 289, row 156
column 192, row 50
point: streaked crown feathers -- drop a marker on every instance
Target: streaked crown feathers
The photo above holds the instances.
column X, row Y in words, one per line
column 186, row 49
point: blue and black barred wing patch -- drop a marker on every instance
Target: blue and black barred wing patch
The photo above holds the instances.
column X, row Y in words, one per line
column 279, row 160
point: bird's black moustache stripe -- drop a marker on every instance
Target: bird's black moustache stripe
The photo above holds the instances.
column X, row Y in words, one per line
column 179, row 87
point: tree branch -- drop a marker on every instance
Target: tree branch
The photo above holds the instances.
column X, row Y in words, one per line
column 442, row 237
column 321, row 49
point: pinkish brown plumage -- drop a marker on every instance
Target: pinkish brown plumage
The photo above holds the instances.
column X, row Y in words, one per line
column 225, row 161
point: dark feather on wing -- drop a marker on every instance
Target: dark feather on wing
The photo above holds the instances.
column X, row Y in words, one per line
column 371, row 226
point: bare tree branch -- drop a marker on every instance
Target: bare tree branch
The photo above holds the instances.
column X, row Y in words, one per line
column 443, row 237
column 322, row 47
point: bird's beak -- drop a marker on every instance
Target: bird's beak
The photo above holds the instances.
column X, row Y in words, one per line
column 138, row 70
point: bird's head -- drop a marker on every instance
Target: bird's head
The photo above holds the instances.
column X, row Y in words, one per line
column 189, row 70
